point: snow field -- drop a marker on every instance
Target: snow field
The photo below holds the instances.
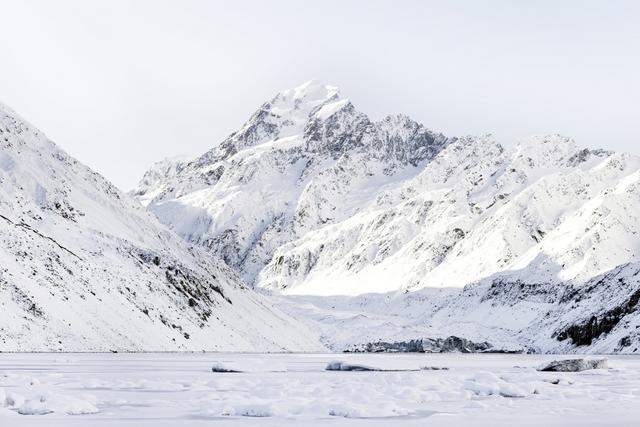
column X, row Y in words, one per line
column 295, row 389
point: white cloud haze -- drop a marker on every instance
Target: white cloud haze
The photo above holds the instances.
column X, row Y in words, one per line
column 121, row 84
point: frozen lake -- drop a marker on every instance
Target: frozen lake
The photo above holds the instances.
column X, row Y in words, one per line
column 294, row 389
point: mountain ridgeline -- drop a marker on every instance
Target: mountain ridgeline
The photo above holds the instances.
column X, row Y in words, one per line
column 311, row 197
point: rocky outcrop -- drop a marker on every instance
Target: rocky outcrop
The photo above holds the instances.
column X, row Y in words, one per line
column 585, row 333
column 450, row 344
column 574, row 365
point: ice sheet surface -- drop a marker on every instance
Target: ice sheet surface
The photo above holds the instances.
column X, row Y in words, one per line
column 172, row 389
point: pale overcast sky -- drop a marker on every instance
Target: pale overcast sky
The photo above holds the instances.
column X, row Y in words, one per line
column 122, row 84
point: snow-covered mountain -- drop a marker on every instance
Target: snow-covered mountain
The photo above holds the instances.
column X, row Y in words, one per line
column 154, row 180
column 533, row 246
column 544, row 210
column 312, row 197
column 83, row 267
column 305, row 160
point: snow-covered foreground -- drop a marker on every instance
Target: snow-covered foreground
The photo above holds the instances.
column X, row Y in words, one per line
column 294, row 389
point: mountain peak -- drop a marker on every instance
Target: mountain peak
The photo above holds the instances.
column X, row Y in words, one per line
column 544, row 150
column 285, row 115
column 303, row 98
column 312, row 90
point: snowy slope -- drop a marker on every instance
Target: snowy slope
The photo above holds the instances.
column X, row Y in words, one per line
column 84, row 267
column 600, row 316
column 546, row 209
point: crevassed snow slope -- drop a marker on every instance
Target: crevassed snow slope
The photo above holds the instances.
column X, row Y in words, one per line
column 83, row 267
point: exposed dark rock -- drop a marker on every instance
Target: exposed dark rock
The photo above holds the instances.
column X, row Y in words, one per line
column 511, row 292
column 344, row 366
column 574, row 365
column 624, row 342
column 412, row 346
column 454, row 344
column 585, row 333
column 223, row 369
column 451, row 344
